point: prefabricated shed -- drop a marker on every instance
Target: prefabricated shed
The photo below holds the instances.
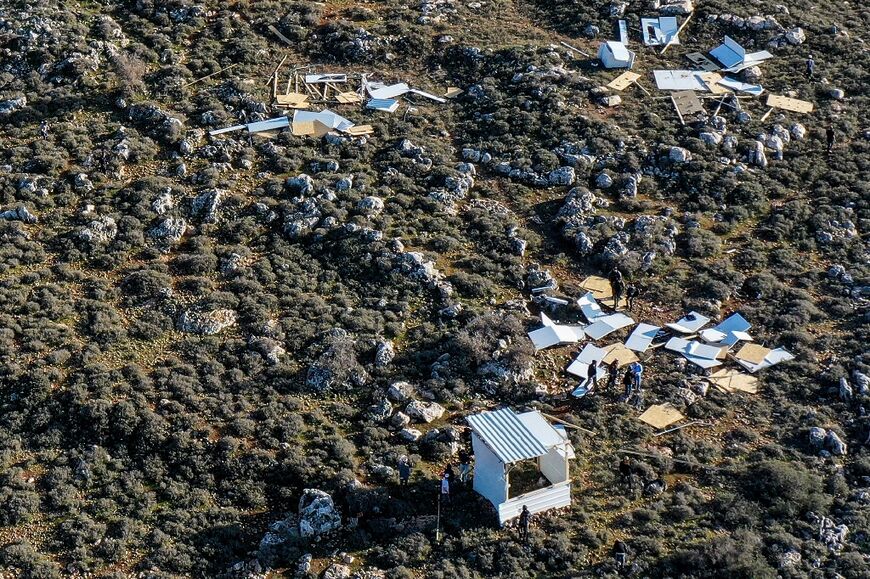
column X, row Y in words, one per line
column 502, row 439
column 614, row 54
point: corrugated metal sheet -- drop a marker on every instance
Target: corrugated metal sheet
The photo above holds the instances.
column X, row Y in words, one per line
column 506, row 435
column 552, row 497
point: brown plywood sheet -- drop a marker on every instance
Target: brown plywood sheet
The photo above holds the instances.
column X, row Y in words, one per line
column 753, row 353
column 293, row 99
column 624, row 80
column 348, row 98
column 687, row 102
column 620, row 353
column 453, row 92
column 358, row 130
column 320, row 129
column 702, row 62
column 734, row 380
column 599, row 286
column 661, row 415
column 303, row 128
column 711, row 80
column 789, row 104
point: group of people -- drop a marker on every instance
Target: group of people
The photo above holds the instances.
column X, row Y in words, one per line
column 619, row 287
column 631, row 380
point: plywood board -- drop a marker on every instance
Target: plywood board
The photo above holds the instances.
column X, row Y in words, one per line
column 620, row 353
column 599, row 286
column 303, row 128
column 711, row 80
column 688, row 103
column 753, row 353
column 348, row 98
column 623, row 81
column 291, row 99
column 358, row 130
column 702, row 62
column 734, row 380
column 661, row 415
column 453, row 92
column 320, row 129
column 789, row 104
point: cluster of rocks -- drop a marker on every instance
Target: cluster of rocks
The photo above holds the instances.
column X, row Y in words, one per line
column 206, row 205
column 836, row 229
column 9, row 106
column 168, row 231
column 826, row 442
column 756, row 23
column 20, row 213
column 436, row 11
column 316, row 516
column 832, row 535
column 640, row 240
column 103, row 229
column 206, row 323
column 156, row 121
column 337, row 364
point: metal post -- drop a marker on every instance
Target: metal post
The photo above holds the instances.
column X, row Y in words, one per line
column 438, row 517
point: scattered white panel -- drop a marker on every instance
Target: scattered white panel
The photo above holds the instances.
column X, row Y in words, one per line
column 775, row 357
column 269, row 125
column 605, row 325
column 623, row 32
column 388, row 92
column 695, row 352
column 326, row 116
column 729, row 53
column 641, row 338
column 679, row 80
column 659, row 31
column 545, row 319
column 728, row 332
column 733, row 323
column 428, row 95
column 227, row 130
column 713, row 336
column 589, row 306
column 580, row 365
column 738, row 85
column 557, row 301
column 750, row 60
column 322, row 78
column 668, row 27
column 555, row 335
column 689, row 324
column 386, row 105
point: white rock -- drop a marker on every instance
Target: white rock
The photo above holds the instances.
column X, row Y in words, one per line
column 424, row 411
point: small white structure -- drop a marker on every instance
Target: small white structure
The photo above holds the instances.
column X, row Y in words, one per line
column 503, row 438
column 614, row 54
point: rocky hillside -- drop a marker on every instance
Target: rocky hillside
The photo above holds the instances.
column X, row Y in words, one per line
column 214, row 349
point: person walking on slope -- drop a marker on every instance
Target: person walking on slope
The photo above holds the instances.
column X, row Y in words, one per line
column 811, row 67
column 829, row 136
column 591, row 376
column 445, row 489
column 617, row 286
column 464, row 467
column 631, row 292
column 525, row 521
column 404, row 471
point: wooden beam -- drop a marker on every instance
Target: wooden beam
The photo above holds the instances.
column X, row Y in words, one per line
column 277, row 33
column 568, row 424
column 767, row 114
column 680, row 29
column 577, row 50
column 675, row 428
column 209, row 75
column 679, row 114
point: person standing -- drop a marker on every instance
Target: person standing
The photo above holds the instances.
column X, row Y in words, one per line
column 637, row 373
column 631, row 292
column 620, row 554
column 404, row 471
column 612, row 373
column 445, row 489
column 525, row 522
column 627, row 383
column 464, row 466
column 830, row 137
column 591, row 375
column 448, row 471
column 617, row 285
column 811, row 67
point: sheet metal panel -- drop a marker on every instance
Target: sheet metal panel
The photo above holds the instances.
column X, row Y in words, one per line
column 552, row 497
column 506, row 435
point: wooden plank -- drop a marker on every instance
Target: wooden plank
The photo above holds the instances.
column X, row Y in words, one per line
column 789, row 104
column 453, row 92
column 765, row 115
column 677, row 108
column 687, row 103
column 661, row 415
column 620, row 353
column 710, row 80
column 209, row 75
column 320, row 130
column 577, row 50
column 277, row 33
column 348, row 98
column 303, row 128
column 359, row 130
column 623, row 81
column 753, row 353
column 599, row 286
column 680, row 29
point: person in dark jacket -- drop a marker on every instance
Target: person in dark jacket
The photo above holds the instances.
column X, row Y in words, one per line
column 631, row 292
column 525, row 521
column 620, row 554
column 612, row 374
column 811, row 66
column 404, row 471
column 830, row 137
